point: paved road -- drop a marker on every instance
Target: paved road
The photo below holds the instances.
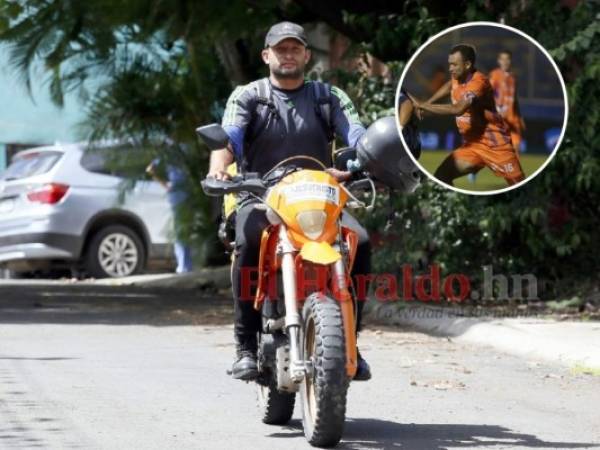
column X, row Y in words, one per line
column 143, row 369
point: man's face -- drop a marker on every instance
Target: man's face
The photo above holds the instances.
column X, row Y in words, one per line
column 457, row 67
column 287, row 59
column 504, row 61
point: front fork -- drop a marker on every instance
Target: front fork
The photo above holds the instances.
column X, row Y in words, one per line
column 293, row 321
column 343, row 296
column 298, row 367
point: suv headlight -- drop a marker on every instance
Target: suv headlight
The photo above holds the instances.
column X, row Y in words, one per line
column 312, row 222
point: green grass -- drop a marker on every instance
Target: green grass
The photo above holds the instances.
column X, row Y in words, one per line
column 485, row 180
column 584, row 370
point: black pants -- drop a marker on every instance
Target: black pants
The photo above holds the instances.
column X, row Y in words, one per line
column 250, row 223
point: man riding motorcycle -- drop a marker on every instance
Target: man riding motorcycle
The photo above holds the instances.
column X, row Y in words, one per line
column 268, row 121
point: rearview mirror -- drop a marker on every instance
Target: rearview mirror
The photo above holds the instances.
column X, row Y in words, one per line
column 213, row 136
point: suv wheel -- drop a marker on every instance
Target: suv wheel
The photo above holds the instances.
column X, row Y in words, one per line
column 115, row 251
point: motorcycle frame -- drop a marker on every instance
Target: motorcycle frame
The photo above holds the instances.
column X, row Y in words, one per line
column 278, row 252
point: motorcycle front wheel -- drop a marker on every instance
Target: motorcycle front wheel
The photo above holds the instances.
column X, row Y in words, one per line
column 323, row 391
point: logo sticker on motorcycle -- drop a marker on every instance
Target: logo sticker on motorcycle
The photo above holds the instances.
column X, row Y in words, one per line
column 323, row 192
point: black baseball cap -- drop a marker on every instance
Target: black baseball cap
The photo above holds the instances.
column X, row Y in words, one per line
column 285, row 30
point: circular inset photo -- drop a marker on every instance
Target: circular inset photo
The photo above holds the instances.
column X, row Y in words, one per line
column 487, row 106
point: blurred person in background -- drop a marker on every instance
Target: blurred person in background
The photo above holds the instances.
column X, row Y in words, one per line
column 504, row 83
column 439, row 78
column 172, row 178
column 408, row 122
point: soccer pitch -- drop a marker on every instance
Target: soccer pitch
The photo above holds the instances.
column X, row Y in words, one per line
column 485, row 179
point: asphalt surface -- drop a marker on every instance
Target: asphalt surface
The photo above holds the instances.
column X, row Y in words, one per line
column 145, row 369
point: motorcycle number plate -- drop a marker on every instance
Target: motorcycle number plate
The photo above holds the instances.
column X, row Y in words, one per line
column 312, row 191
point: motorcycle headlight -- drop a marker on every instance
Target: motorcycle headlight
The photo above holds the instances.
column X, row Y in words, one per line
column 312, row 222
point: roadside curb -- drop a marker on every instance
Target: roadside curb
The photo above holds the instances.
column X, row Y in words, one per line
column 217, row 277
column 565, row 342
column 213, row 277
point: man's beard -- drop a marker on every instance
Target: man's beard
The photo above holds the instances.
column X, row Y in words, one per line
column 287, row 74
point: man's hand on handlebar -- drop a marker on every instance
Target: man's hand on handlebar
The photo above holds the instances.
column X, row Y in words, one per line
column 219, row 175
column 219, row 160
column 339, row 175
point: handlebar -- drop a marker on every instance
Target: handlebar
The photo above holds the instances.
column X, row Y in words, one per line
column 215, row 188
column 252, row 183
column 362, row 184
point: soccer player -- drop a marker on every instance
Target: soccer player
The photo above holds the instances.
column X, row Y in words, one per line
column 407, row 120
column 504, row 83
column 486, row 139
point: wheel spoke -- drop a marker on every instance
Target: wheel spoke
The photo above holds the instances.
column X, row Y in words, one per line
column 111, row 267
column 106, row 257
column 120, row 243
column 118, row 255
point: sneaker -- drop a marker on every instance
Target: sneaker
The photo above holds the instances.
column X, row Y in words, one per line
column 245, row 367
column 363, row 371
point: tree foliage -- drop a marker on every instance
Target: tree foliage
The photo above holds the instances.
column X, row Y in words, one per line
column 547, row 227
column 160, row 68
column 146, row 71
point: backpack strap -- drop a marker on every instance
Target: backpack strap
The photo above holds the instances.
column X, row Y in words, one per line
column 322, row 97
column 265, row 96
column 264, row 110
column 265, row 107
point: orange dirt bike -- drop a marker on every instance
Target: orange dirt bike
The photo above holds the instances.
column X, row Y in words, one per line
column 308, row 341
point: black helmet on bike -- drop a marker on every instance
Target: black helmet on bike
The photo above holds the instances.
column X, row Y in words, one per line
column 380, row 152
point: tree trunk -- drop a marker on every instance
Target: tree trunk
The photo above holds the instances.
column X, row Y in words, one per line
column 230, row 58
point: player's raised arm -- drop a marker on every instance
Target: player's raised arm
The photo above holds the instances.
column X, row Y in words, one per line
column 442, row 92
column 455, row 109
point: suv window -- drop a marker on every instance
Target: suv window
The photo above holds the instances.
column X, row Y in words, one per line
column 126, row 162
column 30, row 164
column 95, row 161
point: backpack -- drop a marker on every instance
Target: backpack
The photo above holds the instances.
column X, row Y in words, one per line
column 267, row 110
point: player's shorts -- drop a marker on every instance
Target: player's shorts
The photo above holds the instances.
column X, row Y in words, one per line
column 501, row 160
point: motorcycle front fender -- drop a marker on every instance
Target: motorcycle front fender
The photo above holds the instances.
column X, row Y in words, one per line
column 319, row 253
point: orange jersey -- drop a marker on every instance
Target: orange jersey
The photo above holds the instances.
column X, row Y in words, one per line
column 480, row 123
column 504, row 85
